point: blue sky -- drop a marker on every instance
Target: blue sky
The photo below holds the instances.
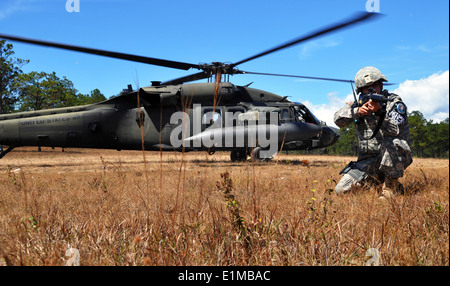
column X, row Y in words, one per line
column 409, row 44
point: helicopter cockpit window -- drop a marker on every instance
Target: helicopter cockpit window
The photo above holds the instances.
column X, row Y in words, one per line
column 212, row 118
column 298, row 115
column 302, row 114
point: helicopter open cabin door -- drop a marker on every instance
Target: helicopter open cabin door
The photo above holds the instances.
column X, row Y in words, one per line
column 232, row 116
column 212, row 118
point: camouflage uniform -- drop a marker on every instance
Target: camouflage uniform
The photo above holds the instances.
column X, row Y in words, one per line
column 386, row 155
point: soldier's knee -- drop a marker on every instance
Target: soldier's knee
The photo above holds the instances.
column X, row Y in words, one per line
column 344, row 184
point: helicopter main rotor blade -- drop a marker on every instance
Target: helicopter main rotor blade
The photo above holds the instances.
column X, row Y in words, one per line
column 358, row 18
column 306, row 77
column 192, row 77
column 299, row 76
column 116, row 55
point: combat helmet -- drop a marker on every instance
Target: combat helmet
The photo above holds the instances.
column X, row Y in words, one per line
column 367, row 76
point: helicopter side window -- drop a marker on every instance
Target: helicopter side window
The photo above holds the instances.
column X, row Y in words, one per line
column 284, row 115
column 212, row 118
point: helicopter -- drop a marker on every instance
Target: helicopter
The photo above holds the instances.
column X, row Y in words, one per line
column 178, row 115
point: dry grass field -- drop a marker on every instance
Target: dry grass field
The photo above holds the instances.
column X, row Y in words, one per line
column 117, row 208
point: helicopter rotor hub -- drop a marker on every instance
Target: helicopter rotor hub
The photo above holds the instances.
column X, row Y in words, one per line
column 218, row 67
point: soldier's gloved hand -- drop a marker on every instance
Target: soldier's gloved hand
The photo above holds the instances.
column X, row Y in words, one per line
column 369, row 107
column 373, row 106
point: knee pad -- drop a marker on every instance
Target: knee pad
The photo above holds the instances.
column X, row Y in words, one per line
column 344, row 185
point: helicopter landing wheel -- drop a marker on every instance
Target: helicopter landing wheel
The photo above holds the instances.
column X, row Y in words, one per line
column 239, row 155
column 257, row 156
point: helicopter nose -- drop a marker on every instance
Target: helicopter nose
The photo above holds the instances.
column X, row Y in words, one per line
column 330, row 135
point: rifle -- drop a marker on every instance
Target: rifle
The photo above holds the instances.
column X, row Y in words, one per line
column 382, row 100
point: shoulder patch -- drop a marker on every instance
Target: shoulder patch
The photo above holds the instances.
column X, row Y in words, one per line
column 398, row 113
column 400, row 108
column 349, row 102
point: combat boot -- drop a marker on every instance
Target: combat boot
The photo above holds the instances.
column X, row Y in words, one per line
column 390, row 187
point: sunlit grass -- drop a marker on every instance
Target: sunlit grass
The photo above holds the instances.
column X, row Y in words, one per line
column 195, row 209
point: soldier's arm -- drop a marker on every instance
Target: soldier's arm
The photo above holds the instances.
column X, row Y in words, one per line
column 395, row 118
column 346, row 115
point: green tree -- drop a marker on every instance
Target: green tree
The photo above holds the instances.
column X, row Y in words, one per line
column 418, row 130
column 428, row 139
column 40, row 90
column 347, row 145
column 10, row 68
column 437, row 136
column 94, row 97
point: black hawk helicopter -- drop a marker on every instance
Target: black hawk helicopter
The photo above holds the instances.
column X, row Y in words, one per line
column 177, row 116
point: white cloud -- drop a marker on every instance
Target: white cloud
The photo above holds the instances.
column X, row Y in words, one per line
column 429, row 95
column 325, row 112
column 423, row 48
column 311, row 47
column 9, row 7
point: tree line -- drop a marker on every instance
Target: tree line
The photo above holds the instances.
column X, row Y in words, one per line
column 428, row 139
column 35, row 90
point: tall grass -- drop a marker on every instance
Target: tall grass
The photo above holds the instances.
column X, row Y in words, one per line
column 213, row 212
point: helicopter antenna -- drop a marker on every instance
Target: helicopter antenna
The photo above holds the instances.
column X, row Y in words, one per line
column 136, row 78
column 354, row 92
